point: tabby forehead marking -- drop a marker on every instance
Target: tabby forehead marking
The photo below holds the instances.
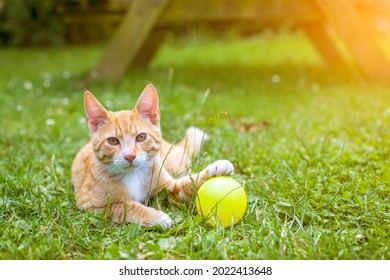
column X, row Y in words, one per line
column 126, row 123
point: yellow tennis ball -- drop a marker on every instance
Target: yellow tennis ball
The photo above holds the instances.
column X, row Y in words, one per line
column 223, row 200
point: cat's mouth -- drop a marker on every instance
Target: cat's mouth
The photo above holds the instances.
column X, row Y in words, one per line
column 133, row 166
column 130, row 166
column 123, row 168
column 120, row 166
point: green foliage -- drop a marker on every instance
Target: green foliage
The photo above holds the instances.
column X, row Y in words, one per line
column 315, row 165
column 30, row 23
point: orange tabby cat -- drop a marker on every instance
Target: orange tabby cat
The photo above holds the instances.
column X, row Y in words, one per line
column 127, row 161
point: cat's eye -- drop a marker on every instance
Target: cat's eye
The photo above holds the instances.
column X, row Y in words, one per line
column 113, row 141
column 141, row 137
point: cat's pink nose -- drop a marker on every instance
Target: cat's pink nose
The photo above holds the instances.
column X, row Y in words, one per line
column 130, row 157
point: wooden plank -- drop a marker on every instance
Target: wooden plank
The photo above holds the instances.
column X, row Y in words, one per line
column 90, row 19
column 70, row 7
column 150, row 47
column 232, row 10
column 130, row 38
column 319, row 36
column 358, row 36
column 200, row 11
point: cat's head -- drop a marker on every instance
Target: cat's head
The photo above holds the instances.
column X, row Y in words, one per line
column 125, row 140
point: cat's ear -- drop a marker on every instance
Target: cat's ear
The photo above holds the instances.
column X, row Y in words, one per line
column 147, row 105
column 96, row 114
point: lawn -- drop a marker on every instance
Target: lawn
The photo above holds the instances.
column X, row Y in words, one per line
column 311, row 148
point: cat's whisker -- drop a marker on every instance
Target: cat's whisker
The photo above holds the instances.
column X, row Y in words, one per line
column 103, row 174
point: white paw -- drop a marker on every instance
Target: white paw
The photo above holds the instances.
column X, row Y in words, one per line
column 219, row 168
column 164, row 221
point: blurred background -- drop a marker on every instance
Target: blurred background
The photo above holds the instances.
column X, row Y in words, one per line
column 350, row 34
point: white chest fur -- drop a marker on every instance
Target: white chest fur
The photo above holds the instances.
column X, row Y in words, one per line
column 137, row 184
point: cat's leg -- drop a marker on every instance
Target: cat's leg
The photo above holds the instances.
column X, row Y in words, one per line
column 185, row 186
column 178, row 156
column 135, row 212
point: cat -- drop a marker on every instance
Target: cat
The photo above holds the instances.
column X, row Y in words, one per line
column 127, row 162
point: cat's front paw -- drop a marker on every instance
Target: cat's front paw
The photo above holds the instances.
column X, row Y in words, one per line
column 164, row 221
column 220, row 168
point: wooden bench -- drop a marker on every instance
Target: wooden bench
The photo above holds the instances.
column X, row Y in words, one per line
column 143, row 25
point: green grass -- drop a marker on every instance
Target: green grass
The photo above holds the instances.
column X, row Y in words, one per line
column 316, row 170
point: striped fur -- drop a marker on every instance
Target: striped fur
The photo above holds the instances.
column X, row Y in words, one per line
column 118, row 176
